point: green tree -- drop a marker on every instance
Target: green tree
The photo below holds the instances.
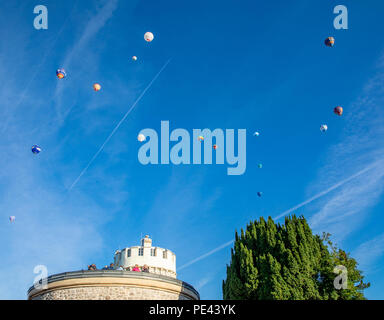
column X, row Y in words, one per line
column 288, row 262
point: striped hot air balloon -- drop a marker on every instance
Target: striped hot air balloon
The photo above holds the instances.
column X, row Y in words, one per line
column 60, row 73
column 330, row 41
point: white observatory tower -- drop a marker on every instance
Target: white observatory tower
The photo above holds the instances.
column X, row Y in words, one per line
column 159, row 260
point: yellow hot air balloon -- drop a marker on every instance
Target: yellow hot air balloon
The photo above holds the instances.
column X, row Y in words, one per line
column 96, row 87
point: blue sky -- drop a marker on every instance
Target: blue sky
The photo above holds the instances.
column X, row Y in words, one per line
column 255, row 65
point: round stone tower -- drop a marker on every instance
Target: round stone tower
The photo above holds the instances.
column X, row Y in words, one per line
column 122, row 282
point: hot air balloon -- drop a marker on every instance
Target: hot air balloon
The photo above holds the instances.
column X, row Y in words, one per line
column 215, row 146
column 36, row 149
column 12, row 219
column 256, row 134
column 141, row 137
column 323, row 128
column 259, row 194
column 330, row 41
column 96, row 87
column 134, row 58
column 338, row 110
column 148, row 36
column 200, row 138
column 60, row 73
column 259, row 165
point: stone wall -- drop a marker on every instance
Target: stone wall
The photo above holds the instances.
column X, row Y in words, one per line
column 109, row 293
column 113, row 285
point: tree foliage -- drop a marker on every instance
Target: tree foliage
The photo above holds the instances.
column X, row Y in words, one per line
column 288, row 262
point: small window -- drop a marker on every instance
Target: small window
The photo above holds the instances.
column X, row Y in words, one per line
column 141, row 251
column 129, row 252
column 153, row 252
column 165, row 254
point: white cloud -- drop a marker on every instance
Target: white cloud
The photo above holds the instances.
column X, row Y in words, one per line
column 81, row 52
column 369, row 252
column 52, row 228
column 361, row 146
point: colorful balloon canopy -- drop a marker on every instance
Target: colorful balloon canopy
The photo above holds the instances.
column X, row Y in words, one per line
column 215, row 146
column 36, row 149
column 96, row 87
column 259, row 165
column 200, row 138
column 60, row 73
column 330, row 41
column 12, row 218
column 134, row 58
column 338, row 110
column 141, row 137
column 323, row 128
column 148, row 36
column 256, row 134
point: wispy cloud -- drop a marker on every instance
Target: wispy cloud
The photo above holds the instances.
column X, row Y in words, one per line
column 325, row 192
column 344, row 211
column 355, row 192
column 94, row 25
column 52, row 228
column 49, row 229
column 302, row 204
column 80, row 48
column 369, row 252
column 37, row 70
column 361, row 143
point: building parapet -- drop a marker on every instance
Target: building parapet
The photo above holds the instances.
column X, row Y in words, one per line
column 119, row 275
column 81, row 274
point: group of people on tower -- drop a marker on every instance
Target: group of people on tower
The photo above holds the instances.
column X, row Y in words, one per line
column 136, row 268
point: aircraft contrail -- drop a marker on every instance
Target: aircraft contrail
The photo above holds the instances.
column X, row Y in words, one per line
column 323, row 193
column 118, row 125
column 205, row 255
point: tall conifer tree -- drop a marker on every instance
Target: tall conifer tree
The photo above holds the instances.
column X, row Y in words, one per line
column 288, row 262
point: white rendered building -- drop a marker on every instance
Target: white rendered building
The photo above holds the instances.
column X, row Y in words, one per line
column 159, row 260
